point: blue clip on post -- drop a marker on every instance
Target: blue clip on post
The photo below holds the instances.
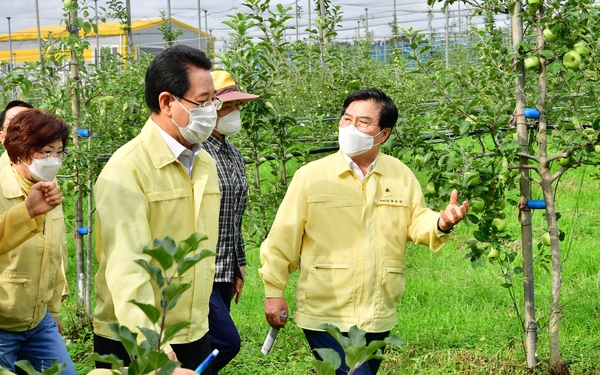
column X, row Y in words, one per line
column 83, row 133
column 536, row 204
column 211, row 357
column 531, row 113
column 82, row 230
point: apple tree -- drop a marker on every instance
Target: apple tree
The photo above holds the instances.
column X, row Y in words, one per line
column 556, row 42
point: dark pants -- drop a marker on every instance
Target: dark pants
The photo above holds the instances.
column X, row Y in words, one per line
column 221, row 329
column 190, row 354
column 318, row 339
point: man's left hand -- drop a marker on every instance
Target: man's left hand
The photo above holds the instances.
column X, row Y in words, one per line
column 453, row 213
column 58, row 323
column 238, row 285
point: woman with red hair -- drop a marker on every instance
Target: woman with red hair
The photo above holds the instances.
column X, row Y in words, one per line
column 31, row 237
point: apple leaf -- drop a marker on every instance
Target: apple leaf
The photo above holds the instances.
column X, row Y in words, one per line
column 547, row 54
column 115, row 361
column 394, row 340
column 151, row 336
column 330, row 356
column 173, row 292
column 150, row 310
column 167, row 243
column 161, row 255
column 357, row 336
column 323, row 368
column 188, row 245
column 173, row 329
column 154, row 272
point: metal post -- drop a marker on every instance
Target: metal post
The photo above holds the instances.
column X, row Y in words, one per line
column 199, row 26
column 206, row 23
column 297, row 20
column 37, row 21
column 169, row 14
column 358, row 22
column 367, row 22
column 97, row 36
column 309, row 34
column 322, row 12
column 447, row 36
column 10, row 66
column 129, row 30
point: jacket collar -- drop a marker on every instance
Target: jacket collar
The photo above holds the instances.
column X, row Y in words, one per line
column 159, row 152
column 341, row 165
column 10, row 185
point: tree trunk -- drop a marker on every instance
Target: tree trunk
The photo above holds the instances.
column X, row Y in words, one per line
column 76, row 112
column 530, row 325
column 556, row 364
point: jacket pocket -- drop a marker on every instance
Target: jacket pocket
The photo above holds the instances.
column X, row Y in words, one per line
column 330, row 290
column 16, row 297
column 393, row 286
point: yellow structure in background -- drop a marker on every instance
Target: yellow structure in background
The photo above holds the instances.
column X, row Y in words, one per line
column 146, row 37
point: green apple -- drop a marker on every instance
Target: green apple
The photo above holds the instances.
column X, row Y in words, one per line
column 581, row 48
column 493, row 254
column 431, row 187
column 532, row 62
column 109, row 101
column 499, row 224
column 597, row 148
column 572, row 59
column 124, row 27
column 546, row 239
column 550, row 36
column 563, row 162
column 68, row 3
column 534, row 2
column 477, row 205
column 501, row 204
column 472, row 178
column 419, row 159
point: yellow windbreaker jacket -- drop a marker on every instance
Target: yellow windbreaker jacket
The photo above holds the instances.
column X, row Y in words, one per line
column 351, row 236
column 31, row 259
column 142, row 194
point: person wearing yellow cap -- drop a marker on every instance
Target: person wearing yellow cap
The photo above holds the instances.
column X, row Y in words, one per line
column 231, row 258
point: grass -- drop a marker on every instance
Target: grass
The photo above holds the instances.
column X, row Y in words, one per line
column 455, row 319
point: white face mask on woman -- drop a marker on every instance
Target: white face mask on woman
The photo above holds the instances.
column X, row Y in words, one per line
column 353, row 142
column 202, row 123
column 44, row 169
column 230, row 124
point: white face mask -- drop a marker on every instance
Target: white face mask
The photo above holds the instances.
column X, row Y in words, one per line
column 44, row 169
column 202, row 123
column 230, row 124
column 353, row 142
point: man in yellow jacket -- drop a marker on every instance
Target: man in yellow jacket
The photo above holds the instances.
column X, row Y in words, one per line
column 349, row 216
column 160, row 184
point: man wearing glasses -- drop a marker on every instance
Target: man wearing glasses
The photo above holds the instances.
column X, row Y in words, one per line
column 160, row 184
column 349, row 216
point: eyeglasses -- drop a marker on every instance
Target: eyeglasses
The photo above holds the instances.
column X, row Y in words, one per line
column 52, row 154
column 236, row 104
column 217, row 103
column 361, row 123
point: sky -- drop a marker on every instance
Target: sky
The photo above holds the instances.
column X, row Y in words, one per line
column 410, row 13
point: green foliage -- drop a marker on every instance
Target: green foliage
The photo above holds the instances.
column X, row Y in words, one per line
column 355, row 347
column 169, row 35
column 24, row 365
column 172, row 261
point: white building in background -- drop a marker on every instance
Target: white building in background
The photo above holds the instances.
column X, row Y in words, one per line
column 146, row 37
